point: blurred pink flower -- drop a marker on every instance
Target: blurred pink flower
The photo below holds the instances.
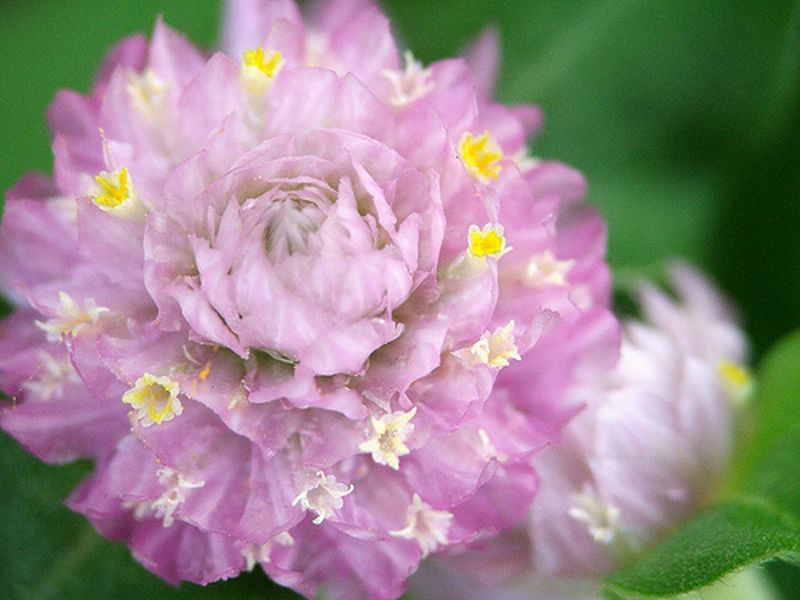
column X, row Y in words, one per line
column 305, row 305
column 650, row 449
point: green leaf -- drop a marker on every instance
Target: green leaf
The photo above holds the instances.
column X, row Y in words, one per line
column 720, row 540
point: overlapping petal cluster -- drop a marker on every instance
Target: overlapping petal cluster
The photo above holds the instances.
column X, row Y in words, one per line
column 650, row 449
column 307, row 306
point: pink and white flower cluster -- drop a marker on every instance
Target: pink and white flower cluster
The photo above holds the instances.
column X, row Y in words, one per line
column 306, row 304
column 649, row 450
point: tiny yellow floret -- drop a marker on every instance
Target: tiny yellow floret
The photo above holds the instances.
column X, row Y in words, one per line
column 155, row 399
column 737, row 381
column 114, row 189
column 488, row 241
column 268, row 64
column 481, row 156
column 205, row 371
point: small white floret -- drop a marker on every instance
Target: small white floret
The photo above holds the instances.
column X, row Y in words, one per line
column 601, row 519
column 70, row 317
column 387, row 438
column 52, row 377
column 175, row 487
column 426, row 525
column 261, row 553
column 495, row 349
column 410, row 83
column 148, row 94
column 322, row 494
column 545, row 269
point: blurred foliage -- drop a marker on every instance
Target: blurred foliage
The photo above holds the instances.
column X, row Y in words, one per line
column 684, row 116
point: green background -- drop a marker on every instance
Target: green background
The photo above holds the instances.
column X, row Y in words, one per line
column 684, row 116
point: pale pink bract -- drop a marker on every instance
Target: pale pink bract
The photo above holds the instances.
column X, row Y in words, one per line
column 306, row 304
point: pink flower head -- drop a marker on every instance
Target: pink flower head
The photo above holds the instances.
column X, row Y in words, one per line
column 307, row 305
column 649, row 450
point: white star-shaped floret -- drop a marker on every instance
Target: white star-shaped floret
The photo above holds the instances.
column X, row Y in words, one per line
column 52, row 378
column 410, row 83
column 496, row 348
column 545, row 269
column 486, row 449
column 601, row 519
column 387, row 438
column 524, row 161
column 426, row 525
column 261, row 553
column 70, row 317
column 322, row 494
column 148, row 94
column 175, row 486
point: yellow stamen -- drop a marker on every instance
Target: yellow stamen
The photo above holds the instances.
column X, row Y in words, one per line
column 488, row 241
column 268, row 64
column 481, row 156
column 205, row 371
column 737, row 381
column 114, row 189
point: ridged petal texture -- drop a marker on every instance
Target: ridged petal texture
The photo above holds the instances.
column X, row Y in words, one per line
column 306, row 303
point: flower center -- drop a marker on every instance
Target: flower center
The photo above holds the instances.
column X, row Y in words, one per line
column 289, row 223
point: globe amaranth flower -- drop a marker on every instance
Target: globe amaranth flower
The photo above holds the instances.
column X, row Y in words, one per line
column 649, row 450
column 306, row 304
